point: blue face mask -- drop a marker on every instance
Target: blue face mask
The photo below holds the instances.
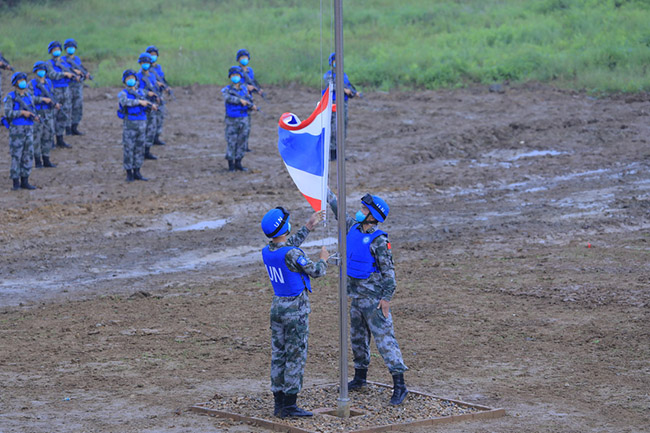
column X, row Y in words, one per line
column 130, row 82
column 244, row 61
column 71, row 50
column 146, row 66
column 56, row 53
column 22, row 84
column 40, row 73
column 360, row 217
column 235, row 79
column 288, row 228
column 154, row 58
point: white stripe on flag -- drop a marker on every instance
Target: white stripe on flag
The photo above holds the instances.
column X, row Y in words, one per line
column 307, row 183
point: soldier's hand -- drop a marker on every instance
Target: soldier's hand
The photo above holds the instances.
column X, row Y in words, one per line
column 144, row 102
column 25, row 113
column 314, row 219
column 47, row 100
column 324, row 254
column 57, row 106
column 244, row 102
column 154, row 107
column 384, row 306
column 250, row 87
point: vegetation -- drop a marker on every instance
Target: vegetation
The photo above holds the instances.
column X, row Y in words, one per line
column 598, row 45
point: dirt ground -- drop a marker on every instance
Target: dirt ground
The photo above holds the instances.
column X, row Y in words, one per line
column 520, row 226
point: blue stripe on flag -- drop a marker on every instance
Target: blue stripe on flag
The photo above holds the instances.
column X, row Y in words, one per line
column 302, row 151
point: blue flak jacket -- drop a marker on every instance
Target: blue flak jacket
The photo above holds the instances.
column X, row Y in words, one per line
column 136, row 112
column 236, row 110
column 28, row 102
column 285, row 282
column 37, row 92
column 63, row 82
column 361, row 263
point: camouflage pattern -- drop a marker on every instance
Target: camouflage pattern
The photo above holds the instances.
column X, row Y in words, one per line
column 76, row 102
column 133, row 143
column 160, row 118
column 237, row 131
column 290, row 322
column 345, row 125
column 21, row 148
column 150, row 128
column 44, row 133
column 63, row 116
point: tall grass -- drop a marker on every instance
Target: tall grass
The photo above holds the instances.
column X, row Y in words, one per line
column 598, row 45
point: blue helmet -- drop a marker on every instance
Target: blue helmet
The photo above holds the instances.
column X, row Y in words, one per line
column 52, row 45
column 15, row 78
column 127, row 73
column 377, row 206
column 332, row 58
column 276, row 222
column 152, row 49
column 145, row 58
column 70, row 43
column 235, row 70
column 243, row 52
column 39, row 65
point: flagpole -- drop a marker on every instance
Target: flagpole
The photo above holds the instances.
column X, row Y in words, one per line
column 343, row 409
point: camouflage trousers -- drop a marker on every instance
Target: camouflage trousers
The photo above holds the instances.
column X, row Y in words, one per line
column 21, row 148
column 63, row 116
column 345, row 126
column 76, row 102
column 161, row 113
column 367, row 320
column 237, row 131
column 133, row 138
column 151, row 127
column 44, row 133
column 289, row 335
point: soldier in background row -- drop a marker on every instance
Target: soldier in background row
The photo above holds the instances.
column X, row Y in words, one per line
column 45, row 104
column 76, row 87
column 163, row 86
column 238, row 127
column 149, row 85
column 243, row 58
column 6, row 66
column 61, row 75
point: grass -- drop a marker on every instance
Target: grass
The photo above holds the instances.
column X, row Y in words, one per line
column 597, row 45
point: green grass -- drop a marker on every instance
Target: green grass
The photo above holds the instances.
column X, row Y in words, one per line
column 597, row 45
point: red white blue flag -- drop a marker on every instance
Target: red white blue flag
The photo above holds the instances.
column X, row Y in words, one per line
column 304, row 148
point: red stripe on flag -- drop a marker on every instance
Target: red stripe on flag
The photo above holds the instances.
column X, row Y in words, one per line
column 314, row 202
column 322, row 106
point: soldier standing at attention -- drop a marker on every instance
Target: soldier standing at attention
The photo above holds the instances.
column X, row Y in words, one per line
column 19, row 118
column 371, row 285
column 289, row 270
column 76, row 87
column 149, row 85
column 133, row 109
column 238, row 126
column 157, row 70
column 45, row 103
column 243, row 58
column 59, row 72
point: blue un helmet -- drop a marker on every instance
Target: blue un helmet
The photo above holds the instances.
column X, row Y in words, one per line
column 235, row 70
column 15, row 78
column 52, row 45
column 276, row 222
column 39, row 66
column 70, row 43
column 243, row 52
column 377, row 206
column 332, row 58
column 152, row 49
column 145, row 58
column 127, row 73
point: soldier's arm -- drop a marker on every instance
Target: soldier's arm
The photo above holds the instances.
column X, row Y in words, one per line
column 380, row 250
column 331, row 199
column 125, row 101
column 52, row 74
column 297, row 261
column 10, row 113
column 230, row 98
column 296, row 239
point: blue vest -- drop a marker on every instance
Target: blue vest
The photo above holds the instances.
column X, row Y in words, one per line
column 136, row 112
column 28, row 102
column 346, row 83
column 285, row 282
column 150, row 85
column 37, row 92
column 361, row 263
column 236, row 110
column 63, row 82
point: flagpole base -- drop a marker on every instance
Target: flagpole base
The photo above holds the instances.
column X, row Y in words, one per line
column 343, row 408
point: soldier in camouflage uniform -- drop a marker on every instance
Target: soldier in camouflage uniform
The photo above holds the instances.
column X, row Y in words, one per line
column 163, row 86
column 238, row 126
column 133, row 109
column 371, row 285
column 149, row 85
column 44, row 102
column 76, row 87
column 289, row 270
column 61, row 75
column 4, row 65
column 19, row 117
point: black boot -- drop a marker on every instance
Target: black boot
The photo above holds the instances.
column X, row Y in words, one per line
column 37, row 162
column 399, row 389
column 24, row 183
column 291, row 409
column 149, row 155
column 75, row 130
column 129, row 176
column 359, row 380
column 68, row 130
column 332, row 154
column 231, row 165
column 157, row 141
column 278, row 398
column 16, row 184
column 238, row 165
column 137, row 175
column 60, row 142
column 47, row 162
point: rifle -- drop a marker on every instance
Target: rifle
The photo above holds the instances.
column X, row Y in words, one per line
column 67, row 68
column 249, row 98
column 355, row 92
column 6, row 62
column 46, row 93
column 149, row 88
column 24, row 107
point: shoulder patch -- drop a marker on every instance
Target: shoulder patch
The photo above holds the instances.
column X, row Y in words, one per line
column 302, row 261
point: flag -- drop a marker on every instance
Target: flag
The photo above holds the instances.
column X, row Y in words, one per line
column 304, row 148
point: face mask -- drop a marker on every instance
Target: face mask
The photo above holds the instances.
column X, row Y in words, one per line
column 56, row 53
column 40, row 73
column 71, row 50
column 130, row 82
column 235, row 79
column 244, row 61
column 154, row 58
column 360, row 217
column 22, row 84
column 288, row 228
column 146, row 66
column 333, row 64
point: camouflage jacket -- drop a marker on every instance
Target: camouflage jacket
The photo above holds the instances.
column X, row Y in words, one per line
column 313, row 269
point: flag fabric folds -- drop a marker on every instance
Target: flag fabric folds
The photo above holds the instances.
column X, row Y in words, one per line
column 304, row 148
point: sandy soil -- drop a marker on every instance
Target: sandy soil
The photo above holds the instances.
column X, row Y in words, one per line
column 519, row 223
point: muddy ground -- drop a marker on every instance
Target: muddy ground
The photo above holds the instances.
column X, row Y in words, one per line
column 520, row 226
